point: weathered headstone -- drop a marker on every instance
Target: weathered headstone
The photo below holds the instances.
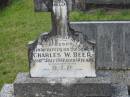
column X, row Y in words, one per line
column 63, row 52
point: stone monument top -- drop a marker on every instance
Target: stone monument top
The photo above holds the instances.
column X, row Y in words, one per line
column 63, row 52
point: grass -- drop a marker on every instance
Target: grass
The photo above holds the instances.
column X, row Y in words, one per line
column 100, row 14
column 19, row 24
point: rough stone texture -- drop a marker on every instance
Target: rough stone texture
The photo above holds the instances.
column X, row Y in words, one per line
column 38, row 87
column 7, row 91
column 112, row 42
column 43, row 87
column 108, row 83
column 119, row 90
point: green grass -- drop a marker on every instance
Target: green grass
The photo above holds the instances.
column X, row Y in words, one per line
column 19, row 24
column 101, row 14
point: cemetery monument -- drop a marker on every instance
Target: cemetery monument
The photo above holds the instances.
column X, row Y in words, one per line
column 77, row 59
column 63, row 52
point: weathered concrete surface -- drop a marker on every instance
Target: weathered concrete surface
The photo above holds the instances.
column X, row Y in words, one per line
column 108, row 83
column 119, row 90
column 55, row 87
column 112, row 42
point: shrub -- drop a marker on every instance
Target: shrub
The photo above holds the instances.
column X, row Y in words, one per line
column 4, row 3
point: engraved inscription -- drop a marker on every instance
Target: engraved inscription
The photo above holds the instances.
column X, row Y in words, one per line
column 63, row 57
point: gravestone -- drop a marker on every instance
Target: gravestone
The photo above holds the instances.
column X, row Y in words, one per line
column 63, row 52
column 77, row 59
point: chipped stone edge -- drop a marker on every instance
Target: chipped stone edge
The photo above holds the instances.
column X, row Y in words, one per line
column 7, row 91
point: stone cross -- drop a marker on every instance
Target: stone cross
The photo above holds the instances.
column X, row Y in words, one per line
column 59, row 12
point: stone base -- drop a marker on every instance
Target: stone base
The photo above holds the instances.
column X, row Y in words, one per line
column 101, row 86
column 25, row 86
